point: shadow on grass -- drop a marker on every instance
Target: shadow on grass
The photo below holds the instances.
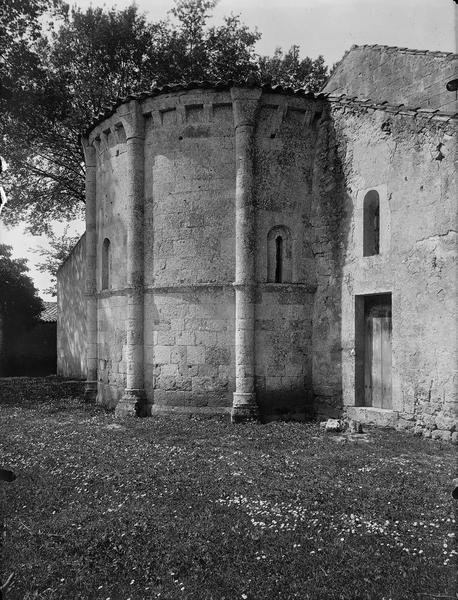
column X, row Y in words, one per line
column 52, row 394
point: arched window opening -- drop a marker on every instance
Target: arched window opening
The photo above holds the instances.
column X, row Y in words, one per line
column 279, row 255
column 278, row 259
column 371, row 224
column 106, row 264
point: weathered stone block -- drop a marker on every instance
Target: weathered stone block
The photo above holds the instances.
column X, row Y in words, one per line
column 216, row 356
column 165, row 338
column 170, row 370
column 441, row 434
column 178, row 355
column 446, row 423
column 195, row 355
column 405, row 424
column 162, row 354
column 333, row 425
column 202, row 384
column 185, row 338
column 355, row 426
column 428, row 420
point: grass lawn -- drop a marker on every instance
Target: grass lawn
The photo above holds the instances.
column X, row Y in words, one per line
column 174, row 507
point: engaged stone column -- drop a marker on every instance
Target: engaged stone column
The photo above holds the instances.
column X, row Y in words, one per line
column 133, row 400
column 244, row 406
column 90, row 391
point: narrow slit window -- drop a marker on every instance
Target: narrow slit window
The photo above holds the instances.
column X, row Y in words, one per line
column 106, row 264
column 278, row 259
column 371, row 224
column 279, row 255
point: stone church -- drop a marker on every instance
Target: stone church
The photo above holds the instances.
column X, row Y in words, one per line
column 266, row 252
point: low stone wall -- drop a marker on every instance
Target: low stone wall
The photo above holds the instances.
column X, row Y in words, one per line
column 436, row 425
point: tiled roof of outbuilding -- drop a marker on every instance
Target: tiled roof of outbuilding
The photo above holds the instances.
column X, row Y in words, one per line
column 49, row 314
column 402, row 109
column 398, row 49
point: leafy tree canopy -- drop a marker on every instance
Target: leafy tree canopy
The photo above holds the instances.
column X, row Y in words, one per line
column 60, row 247
column 63, row 73
column 289, row 69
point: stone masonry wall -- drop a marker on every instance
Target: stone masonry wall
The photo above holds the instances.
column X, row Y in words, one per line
column 411, row 164
column 71, row 314
column 305, row 165
column 326, row 222
column 284, row 155
column 189, row 251
column 111, row 225
column 416, row 78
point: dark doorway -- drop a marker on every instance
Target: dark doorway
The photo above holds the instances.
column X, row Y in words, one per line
column 373, row 351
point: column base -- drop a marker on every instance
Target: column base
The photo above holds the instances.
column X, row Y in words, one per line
column 90, row 392
column 132, row 404
column 244, row 407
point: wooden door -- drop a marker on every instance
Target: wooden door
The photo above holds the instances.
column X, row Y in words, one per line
column 377, row 353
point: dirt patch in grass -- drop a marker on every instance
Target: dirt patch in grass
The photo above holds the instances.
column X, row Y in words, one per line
column 173, row 507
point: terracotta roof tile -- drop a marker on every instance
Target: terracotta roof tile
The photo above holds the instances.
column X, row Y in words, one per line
column 49, row 315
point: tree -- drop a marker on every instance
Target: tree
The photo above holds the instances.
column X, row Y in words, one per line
column 20, row 26
column 90, row 58
column 292, row 71
column 53, row 257
column 19, row 304
column 62, row 75
column 214, row 53
column 87, row 60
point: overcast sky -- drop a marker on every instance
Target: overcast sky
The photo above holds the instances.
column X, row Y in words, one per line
column 327, row 27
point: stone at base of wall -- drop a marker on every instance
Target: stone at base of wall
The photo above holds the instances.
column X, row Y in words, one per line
column 441, row 434
column 418, row 425
column 181, row 398
column 132, row 404
column 244, row 407
column 379, row 417
column 90, row 391
column 210, row 411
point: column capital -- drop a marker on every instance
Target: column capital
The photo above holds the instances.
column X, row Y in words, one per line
column 131, row 116
column 245, row 103
column 89, row 152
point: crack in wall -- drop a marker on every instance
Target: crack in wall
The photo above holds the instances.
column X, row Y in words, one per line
column 436, row 236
